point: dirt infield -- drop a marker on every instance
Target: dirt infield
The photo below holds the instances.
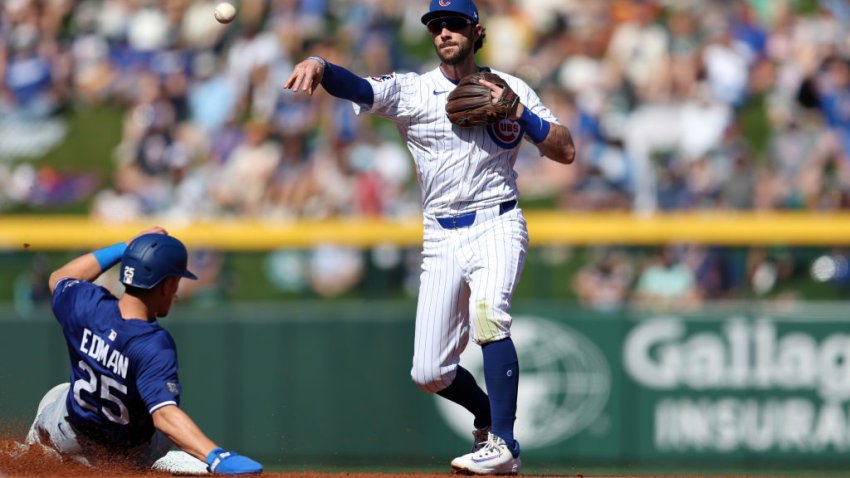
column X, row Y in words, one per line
column 18, row 460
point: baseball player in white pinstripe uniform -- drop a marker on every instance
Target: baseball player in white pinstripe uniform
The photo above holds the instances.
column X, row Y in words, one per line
column 475, row 236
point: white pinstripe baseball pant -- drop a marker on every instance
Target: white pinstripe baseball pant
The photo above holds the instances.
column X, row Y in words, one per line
column 468, row 279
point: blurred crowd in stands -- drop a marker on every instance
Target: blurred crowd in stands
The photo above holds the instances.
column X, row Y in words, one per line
column 673, row 105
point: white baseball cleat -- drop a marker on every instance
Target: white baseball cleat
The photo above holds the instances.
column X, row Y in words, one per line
column 480, row 436
column 494, row 458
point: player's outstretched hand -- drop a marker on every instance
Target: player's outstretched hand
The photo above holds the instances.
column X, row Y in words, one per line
column 226, row 462
column 306, row 76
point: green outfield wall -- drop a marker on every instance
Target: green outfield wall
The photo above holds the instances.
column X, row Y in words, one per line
column 322, row 383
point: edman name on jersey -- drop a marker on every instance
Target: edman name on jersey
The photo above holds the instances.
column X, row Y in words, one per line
column 97, row 348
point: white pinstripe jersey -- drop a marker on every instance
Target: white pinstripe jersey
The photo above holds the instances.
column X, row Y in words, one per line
column 459, row 169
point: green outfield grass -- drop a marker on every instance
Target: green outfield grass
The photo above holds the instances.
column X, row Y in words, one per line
column 93, row 134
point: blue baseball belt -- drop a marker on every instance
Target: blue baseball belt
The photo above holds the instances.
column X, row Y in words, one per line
column 468, row 219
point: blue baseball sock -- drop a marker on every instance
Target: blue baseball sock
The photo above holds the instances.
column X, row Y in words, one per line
column 501, row 373
column 466, row 393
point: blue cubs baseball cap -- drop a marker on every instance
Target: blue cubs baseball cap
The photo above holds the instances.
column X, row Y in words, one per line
column 150, row 258
column 444, row 8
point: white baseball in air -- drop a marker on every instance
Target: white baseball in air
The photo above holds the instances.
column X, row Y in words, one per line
column 225, row 12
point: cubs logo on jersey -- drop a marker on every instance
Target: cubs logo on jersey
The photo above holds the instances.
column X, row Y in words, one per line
column 506, row 133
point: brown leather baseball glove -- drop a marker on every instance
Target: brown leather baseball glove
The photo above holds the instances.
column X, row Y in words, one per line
column 471, row 104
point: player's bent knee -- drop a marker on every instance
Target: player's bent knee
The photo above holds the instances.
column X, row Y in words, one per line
column 491, row 338
column 431, row 382
column 490, row 331
column 490, row 322
column 52, row 395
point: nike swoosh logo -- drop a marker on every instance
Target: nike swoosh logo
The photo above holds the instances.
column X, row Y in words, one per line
column 436, row 93
column 482, row 460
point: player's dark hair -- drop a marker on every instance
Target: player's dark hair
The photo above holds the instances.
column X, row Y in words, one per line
column 480, row 42
column 141, row 292
column 135, row 291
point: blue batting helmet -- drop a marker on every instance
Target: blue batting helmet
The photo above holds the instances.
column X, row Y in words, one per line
column 150, row 258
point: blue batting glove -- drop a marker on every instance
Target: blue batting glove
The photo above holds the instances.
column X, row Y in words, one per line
column 231, row 463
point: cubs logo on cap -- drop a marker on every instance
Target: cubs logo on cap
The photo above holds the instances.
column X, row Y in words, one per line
column 445, row 8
